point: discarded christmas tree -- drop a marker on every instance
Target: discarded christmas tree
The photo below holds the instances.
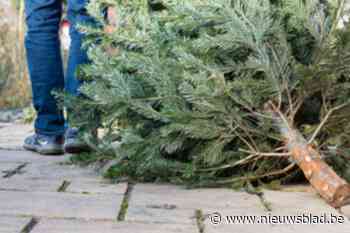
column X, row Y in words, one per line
column 220, row 92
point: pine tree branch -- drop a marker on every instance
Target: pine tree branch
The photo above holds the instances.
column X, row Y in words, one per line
column 335, row 21
column 262, row 154
column 324, row 121
column 256, row 177
column 246, row 160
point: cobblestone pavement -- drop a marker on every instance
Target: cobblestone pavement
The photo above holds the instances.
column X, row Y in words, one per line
column 48, row 195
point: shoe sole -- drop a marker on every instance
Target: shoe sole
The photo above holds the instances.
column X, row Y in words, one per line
column 44, row 151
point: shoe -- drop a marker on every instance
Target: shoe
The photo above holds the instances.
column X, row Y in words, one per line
column 45, row 145
column 73, row 143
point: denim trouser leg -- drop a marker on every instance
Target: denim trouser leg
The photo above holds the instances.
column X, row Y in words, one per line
column 77, row 15
column 45, row 62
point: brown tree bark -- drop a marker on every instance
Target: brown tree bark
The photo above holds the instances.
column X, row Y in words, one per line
column 334, row 189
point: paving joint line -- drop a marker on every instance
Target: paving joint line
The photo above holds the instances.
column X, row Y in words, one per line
column 30, row 226
column 266, row 204
column 17, row 170
column 200, row 220
column 250, row 189
column 63, row 187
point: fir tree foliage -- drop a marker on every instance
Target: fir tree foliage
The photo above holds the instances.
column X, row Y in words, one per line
column 182, row 87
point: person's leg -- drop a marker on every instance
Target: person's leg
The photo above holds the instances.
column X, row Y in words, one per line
column 77, row 15
column 45, row 63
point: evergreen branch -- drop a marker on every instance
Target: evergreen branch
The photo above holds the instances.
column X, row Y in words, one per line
column 335, row 21
column 324, row 121
column 241, row 162
column 261, row 154
column 257, row 177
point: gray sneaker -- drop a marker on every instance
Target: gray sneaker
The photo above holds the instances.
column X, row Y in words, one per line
column 73, row 143
column 45, row 145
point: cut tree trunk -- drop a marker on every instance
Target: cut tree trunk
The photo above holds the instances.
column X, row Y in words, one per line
column 334, row 189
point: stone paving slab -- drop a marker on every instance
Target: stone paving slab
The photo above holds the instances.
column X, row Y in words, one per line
column 56, row 171
column 60, row 205
column 81, row 186
column 12, row 224
column 95, row 186
column 283, row 204
column 259, row 228
column 174, row 204
column 160, row 215
column 76, row 226
column 297, row 203
column 194, row 198
column 25, row 184
column 12, row 135
column 11, row 156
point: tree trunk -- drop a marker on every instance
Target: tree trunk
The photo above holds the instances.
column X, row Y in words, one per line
column 334, row 189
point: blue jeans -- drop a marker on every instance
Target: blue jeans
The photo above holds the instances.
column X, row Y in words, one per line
column 45, row 62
